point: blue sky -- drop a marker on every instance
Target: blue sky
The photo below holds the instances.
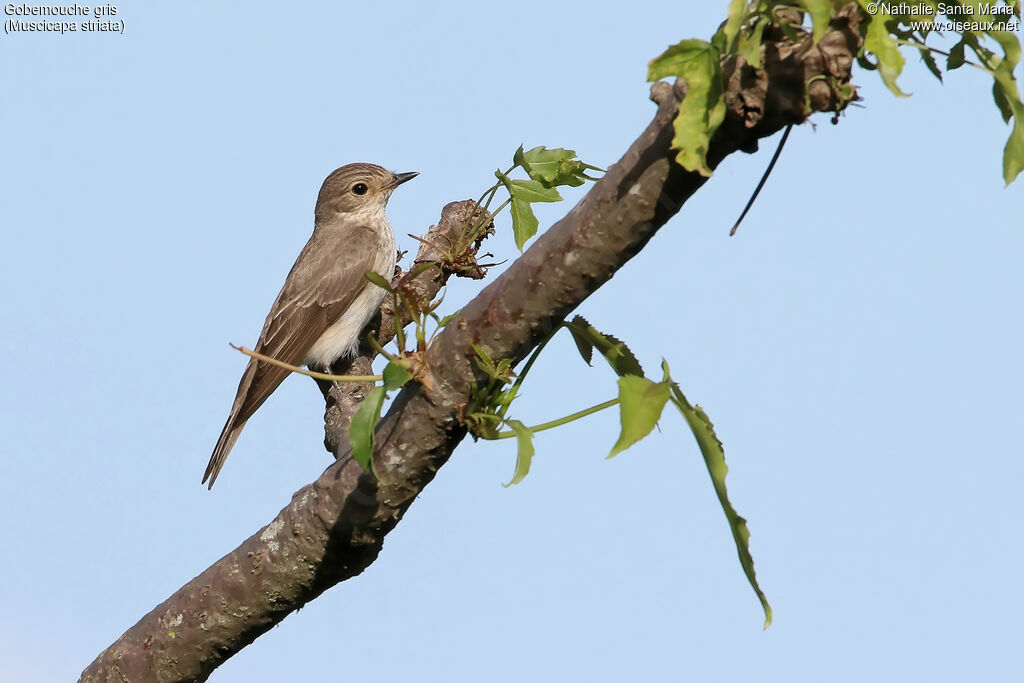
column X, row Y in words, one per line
column 857, row 345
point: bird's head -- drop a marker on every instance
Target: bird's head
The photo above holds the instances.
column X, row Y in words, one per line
column 358, row 190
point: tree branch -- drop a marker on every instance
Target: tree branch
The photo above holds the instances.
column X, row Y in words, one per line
column 334, row 528
column 443, row 246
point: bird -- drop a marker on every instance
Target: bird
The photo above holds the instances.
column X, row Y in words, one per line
column 326, row 300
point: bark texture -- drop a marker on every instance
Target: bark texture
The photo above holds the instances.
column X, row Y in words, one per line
column 334, row 528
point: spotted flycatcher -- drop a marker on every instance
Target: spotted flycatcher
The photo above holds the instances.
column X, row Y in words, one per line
column 326, row 300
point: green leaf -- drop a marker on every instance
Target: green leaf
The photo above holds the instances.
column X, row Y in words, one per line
column 443, row 322
column 523, row 193
column 483, row 358
column 880, row 43
column 714, row 458
column 531, row 191
column 1008, row 99
column 586, row 348
column 524, row 222
column 641, row 402
column 821, row 13
column 524, row 437
column 499, row 371
column 517, row 158
column 749, row 46
column 379, row 281
column 552, row 167
column 1013, row 153
column 1006, row 84
column 673, row 61
column 360, row 432
column 616, row 352
column 725, row 38
column 985, row 56
column 956, row 57
column 929, row 61
column 1002, row 101
column 395, row 375
column 1011, row 50
column 703, row 109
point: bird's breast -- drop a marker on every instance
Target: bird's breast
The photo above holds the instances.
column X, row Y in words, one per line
column 341, row 339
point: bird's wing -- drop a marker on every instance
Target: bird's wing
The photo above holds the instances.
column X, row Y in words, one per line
column 319, row 288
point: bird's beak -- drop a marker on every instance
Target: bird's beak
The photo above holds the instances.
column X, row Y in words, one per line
column 400, row 178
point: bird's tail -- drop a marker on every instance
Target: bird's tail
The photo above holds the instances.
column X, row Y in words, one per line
column 224, row 445
column 233, row 427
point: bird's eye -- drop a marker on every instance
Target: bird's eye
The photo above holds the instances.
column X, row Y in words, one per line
column 359, row 188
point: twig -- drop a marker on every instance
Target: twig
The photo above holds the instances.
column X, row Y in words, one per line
column 309, row 373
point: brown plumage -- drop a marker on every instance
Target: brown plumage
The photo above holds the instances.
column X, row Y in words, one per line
column 326, row 300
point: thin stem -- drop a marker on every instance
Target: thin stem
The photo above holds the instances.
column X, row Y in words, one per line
column 490, row 196
column 495, row 187
column 372, row 338
column 561, row 421
column 503, row 205
column 399, row 329
column 525, row 371
column 764, row 179
column 929, row 48
column 309, row 373
column 421, row 332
